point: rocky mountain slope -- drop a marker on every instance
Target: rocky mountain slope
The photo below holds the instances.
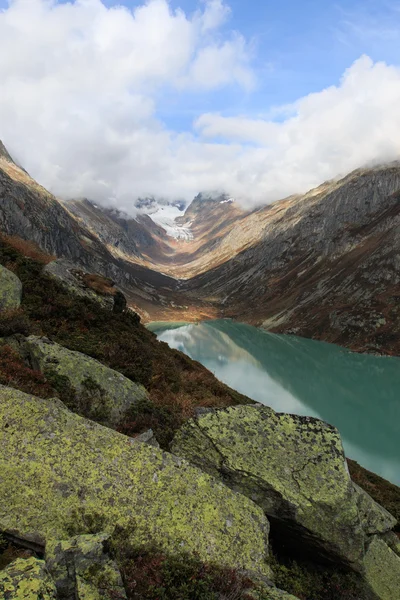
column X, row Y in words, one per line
column 322, row 265
column 326, row 265
column 31, row 212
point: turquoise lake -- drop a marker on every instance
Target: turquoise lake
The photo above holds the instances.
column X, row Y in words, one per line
column 358, row 393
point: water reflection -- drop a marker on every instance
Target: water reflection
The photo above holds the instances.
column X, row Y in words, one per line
column 360, row 394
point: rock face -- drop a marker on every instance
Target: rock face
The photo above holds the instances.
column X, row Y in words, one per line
column 62, row 475
column 93, row 390
column 10, row 290
column 382, row 570
column 81, row 569
column 294, row 468
column 374, row 518
column 27, row 579
column 71, row 277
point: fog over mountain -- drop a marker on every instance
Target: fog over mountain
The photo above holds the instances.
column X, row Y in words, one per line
column 84, row 86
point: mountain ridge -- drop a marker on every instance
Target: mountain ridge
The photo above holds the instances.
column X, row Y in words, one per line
column 323, row 264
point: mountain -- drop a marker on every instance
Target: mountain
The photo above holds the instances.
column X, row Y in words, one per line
column 323, row 264
column 31, row 212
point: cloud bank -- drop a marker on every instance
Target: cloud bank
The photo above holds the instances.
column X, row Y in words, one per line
column 81, row 86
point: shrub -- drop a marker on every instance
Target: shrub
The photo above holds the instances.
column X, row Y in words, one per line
column 152, row 574
column 308, row 581
column 9, row 552
column 14, row 373
column 14, row 321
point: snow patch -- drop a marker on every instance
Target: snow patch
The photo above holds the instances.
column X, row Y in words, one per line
column 166, row 217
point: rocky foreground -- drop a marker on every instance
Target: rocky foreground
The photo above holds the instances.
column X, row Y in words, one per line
column 234, row 505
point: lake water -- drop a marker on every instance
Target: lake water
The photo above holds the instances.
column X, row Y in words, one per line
column 358, row 393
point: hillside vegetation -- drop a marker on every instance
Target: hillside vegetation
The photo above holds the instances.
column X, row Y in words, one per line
column 176, row 384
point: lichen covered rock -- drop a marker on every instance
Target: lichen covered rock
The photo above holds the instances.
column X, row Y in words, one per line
column 62, row 475
column 87, row 386
column 10, row 290
column 81, row 568
column 374, row 518
column 382, row 570
column 291, row 466
column 392, row 541
column 27, row 579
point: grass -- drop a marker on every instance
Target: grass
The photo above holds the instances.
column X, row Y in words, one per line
column 98, row 283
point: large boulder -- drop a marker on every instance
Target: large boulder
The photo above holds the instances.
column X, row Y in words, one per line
column 374, row 518
column 10, row 290
column 63, row 475
column 81, row 568
column 74, row 279
column 382, row 570
column 27, row 579
column 294, row 468
column 87, row 386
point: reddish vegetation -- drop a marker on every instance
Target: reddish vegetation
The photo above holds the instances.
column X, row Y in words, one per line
column 14, row 373
column 27, row 248
column 99, row 284
column 156, row 576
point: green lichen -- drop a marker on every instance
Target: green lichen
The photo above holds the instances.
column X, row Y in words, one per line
column 10, row 290
column 81, row 568
column 382, row 570
column 374, row 518
column 55, row 463
column 27, row 579
column 292, row 466
column 85, row 385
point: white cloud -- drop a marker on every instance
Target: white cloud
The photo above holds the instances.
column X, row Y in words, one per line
column 80, row 86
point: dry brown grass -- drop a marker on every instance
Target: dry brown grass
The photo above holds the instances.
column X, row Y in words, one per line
column 27, row 248
column 100, row 284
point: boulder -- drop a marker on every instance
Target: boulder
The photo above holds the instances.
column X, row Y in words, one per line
column 382, row 570
column 27, row 579
column 148, row 437
column 374, row 518
column 392, row 541
column 291, row 466
column 62, row 475
column 71, row 277
column 10, row 290
column 82, row 568
column 87, row 386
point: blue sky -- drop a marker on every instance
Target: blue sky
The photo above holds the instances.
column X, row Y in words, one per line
column 278, row 53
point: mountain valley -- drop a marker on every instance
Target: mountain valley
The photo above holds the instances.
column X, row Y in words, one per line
column 323, row 265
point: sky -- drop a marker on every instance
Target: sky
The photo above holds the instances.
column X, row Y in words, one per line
column 257, row 99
